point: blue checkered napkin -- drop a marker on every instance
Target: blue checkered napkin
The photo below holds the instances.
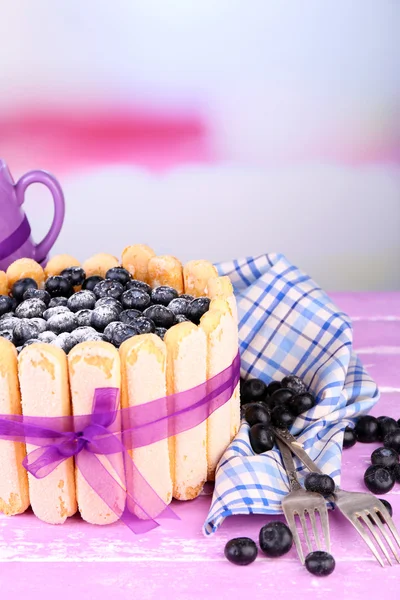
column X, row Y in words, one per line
column 288, row 325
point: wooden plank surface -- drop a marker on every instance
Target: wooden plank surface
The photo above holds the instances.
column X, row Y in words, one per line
column 39, row 561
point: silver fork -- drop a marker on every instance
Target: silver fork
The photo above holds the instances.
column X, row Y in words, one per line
column 365, row 512
column 302, row 503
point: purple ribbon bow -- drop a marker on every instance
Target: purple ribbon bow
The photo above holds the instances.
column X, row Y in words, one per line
column 100, row 441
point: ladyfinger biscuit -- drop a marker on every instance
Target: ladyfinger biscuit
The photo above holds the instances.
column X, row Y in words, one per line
column 221, row 287
column 99, row 264
column 187, row 368
column 14, row 492
column 135, row 259
column 165, row 270
column 3, row 284
column 43, row 376
column 143, row 365
column 95, row 365
column 220, row 304
column 196, row 274
column 221, row 331
column 25, row 267
column 60, row 262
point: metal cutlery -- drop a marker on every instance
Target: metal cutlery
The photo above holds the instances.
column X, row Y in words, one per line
column 366, row 513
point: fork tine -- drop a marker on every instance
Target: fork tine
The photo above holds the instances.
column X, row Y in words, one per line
column 305, row 530
column 366, row 539
column 325, row 528
column 315, row 530
column 365, row 519
column 378, row 522
column 292, row 526
column 390, row 524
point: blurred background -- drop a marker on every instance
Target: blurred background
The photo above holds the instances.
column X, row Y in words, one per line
column 212, row 129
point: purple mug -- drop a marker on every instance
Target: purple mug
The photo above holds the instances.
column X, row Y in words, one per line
column 15, row 231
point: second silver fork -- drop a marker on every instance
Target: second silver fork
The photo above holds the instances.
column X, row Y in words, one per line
column 302, row 503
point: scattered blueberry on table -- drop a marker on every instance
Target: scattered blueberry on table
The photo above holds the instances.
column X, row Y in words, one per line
column 275, row 539
column 241, row 551
column 321, row 484
column 320, row 563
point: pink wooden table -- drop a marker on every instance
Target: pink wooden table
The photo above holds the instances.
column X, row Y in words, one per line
column 40, row 561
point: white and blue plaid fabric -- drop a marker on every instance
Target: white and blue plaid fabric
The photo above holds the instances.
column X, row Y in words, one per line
column 288, row 325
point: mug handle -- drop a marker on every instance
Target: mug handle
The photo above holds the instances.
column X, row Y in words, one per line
column 43, row 248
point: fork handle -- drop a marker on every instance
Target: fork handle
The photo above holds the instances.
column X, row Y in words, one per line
column 286, row 439
column 289, row 465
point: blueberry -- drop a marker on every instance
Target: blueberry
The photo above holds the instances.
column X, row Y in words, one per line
column 160, row 331
column 39, row 294
column 188, row 297
column 320, row 484
column 9, row 322
column 108, row 288
column 91, row 282
column 349, row 437
column 24, row 330
column 253, row 390
column 75, row 275
column 58, row 286
column 385, row 457
column 386, row 425
column 257, row 413
column 7, row 334
column 58, row 301
column 367, row 429
column 301, row 403
column 135, row 284
column 197, row 308
column 294, row 383
column 241, row 551
column 275, row 539
column 396, row 473
column 160, row 315
column 320, row 563
column 392, row 440
column 83, row 317
column 181, row 319
column 109, row 330
column 30, row 342
column 163, row 294
column 55, row 310
column 262, row 438
column 81, row 300
column 280, row 397
column 179, row 306
column 135, row 299
column 282, row 417
column 121, row 333
column 110, row 302
column 63, row 341
column 81, row 334
column 6, row 304
column 19, row 288
column 378, row 479
column 273, row 386
column 40, row 323
column 129, row 315
column 119, row 274
column 93, row 336
column 64, row 322
column 102, row 316
column 46, row 337
column 30, row 308
column 143, row 325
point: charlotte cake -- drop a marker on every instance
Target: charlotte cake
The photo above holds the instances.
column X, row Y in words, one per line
column 150, row 327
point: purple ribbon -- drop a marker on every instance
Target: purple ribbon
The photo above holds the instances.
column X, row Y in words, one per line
column 111, row 432
column 17, row 239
